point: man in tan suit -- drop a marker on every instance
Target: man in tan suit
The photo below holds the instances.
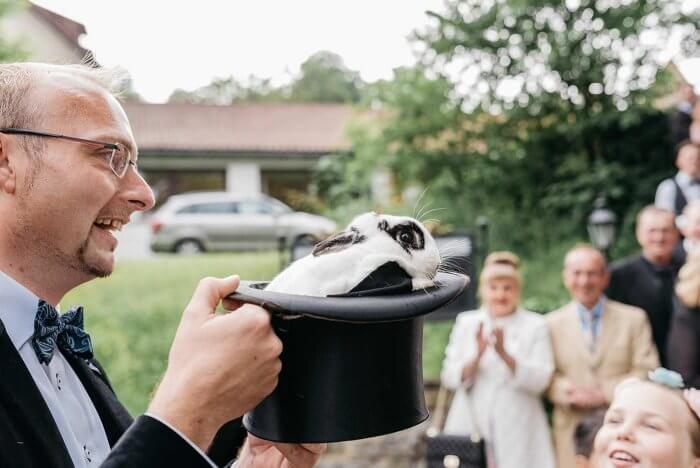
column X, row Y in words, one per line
column 597, row 343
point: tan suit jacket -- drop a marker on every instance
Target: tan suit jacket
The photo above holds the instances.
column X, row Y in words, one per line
column 624, row 348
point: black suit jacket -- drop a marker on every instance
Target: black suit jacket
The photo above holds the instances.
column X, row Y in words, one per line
column 29, row 436
column 636, row 281
column 684, row 343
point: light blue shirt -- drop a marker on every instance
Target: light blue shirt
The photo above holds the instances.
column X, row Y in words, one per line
column 71, row 407
column 590, row 319
column 666, row 191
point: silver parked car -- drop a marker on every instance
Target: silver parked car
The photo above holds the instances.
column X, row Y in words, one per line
column 219, row 221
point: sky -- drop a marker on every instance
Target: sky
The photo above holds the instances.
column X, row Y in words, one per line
column 168, row 44
column 184, row 44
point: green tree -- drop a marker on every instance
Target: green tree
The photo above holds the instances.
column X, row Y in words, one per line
column 526, row 110
column 224, row 91
column 325, row 78
column 11, row 51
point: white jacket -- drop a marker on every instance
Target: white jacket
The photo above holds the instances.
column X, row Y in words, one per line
column 508, row 407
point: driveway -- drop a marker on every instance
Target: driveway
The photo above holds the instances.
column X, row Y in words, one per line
column 133, row 241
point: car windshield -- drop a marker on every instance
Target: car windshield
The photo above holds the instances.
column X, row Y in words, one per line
column 279, row 207
column 208, row 208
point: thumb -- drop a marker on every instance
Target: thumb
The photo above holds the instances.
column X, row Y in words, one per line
column 208, row 294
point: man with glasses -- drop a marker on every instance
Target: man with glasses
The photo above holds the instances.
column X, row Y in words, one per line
column 68, row 179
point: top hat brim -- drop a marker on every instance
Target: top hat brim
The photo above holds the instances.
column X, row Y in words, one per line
column 381, row 303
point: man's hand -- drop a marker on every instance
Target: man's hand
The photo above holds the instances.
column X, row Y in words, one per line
column 585, row 397
column 259, row 453
column 692, row 396
column 220, row 366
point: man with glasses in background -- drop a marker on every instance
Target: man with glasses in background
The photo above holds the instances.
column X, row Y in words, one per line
column 68, row 179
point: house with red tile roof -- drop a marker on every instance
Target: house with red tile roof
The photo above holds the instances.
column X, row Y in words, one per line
column 247, row 147
column 243, row 147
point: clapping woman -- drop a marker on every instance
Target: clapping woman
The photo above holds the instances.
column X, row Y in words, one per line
column 499, row 362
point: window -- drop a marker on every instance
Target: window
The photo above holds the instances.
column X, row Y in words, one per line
column 209, row 208
column 254, row 207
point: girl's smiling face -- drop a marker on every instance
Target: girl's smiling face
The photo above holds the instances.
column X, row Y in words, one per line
column 647, row 426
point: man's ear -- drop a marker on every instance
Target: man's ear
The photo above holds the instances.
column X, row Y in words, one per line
column 8, row 175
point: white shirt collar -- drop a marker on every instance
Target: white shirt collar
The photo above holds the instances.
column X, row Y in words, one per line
column 683, row 178
column 18, row 307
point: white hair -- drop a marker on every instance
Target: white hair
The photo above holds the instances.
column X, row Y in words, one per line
column 18, row 79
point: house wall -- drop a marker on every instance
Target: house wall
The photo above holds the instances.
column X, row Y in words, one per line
column 39, row 39
column 285, row 177
column 243, row 177
column 285, row 185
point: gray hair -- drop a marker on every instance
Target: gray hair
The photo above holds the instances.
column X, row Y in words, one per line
column 18, row 79
column 584, row 247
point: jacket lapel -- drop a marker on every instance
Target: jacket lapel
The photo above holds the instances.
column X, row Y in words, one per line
column 607, row 324
column 26, row 406
column 577, row 334
column 115, row 418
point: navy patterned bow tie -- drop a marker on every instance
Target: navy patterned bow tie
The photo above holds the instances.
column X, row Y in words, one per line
column 66, row 331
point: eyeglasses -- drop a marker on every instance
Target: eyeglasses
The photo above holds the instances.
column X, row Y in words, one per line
column 119, row 159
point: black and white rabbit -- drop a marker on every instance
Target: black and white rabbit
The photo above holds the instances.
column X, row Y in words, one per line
column 341, row 262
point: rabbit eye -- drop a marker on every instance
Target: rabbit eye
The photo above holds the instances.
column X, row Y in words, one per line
column 408, row 235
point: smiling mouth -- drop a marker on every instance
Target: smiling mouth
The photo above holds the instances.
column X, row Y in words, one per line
column 623, row 458
column 110, row 224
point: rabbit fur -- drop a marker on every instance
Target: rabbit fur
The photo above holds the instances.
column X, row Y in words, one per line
column 342, row 261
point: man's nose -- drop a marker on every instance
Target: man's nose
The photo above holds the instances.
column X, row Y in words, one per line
column 136, row 191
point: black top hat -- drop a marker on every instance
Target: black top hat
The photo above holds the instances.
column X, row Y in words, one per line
column 352, row 364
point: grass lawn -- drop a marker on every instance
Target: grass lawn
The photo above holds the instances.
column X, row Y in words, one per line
column 132, row 316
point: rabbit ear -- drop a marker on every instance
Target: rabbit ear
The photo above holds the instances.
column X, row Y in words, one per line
column 338, row 242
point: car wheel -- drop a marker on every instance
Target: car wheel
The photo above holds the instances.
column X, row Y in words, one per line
column 189, row 247
column 306, row 239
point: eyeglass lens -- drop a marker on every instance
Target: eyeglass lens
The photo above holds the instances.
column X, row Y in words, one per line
column 120, row 159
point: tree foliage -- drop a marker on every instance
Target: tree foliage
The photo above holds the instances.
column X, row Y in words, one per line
column 526, row 110
column 10, row 51
column 223, row 91
column 323, row 78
